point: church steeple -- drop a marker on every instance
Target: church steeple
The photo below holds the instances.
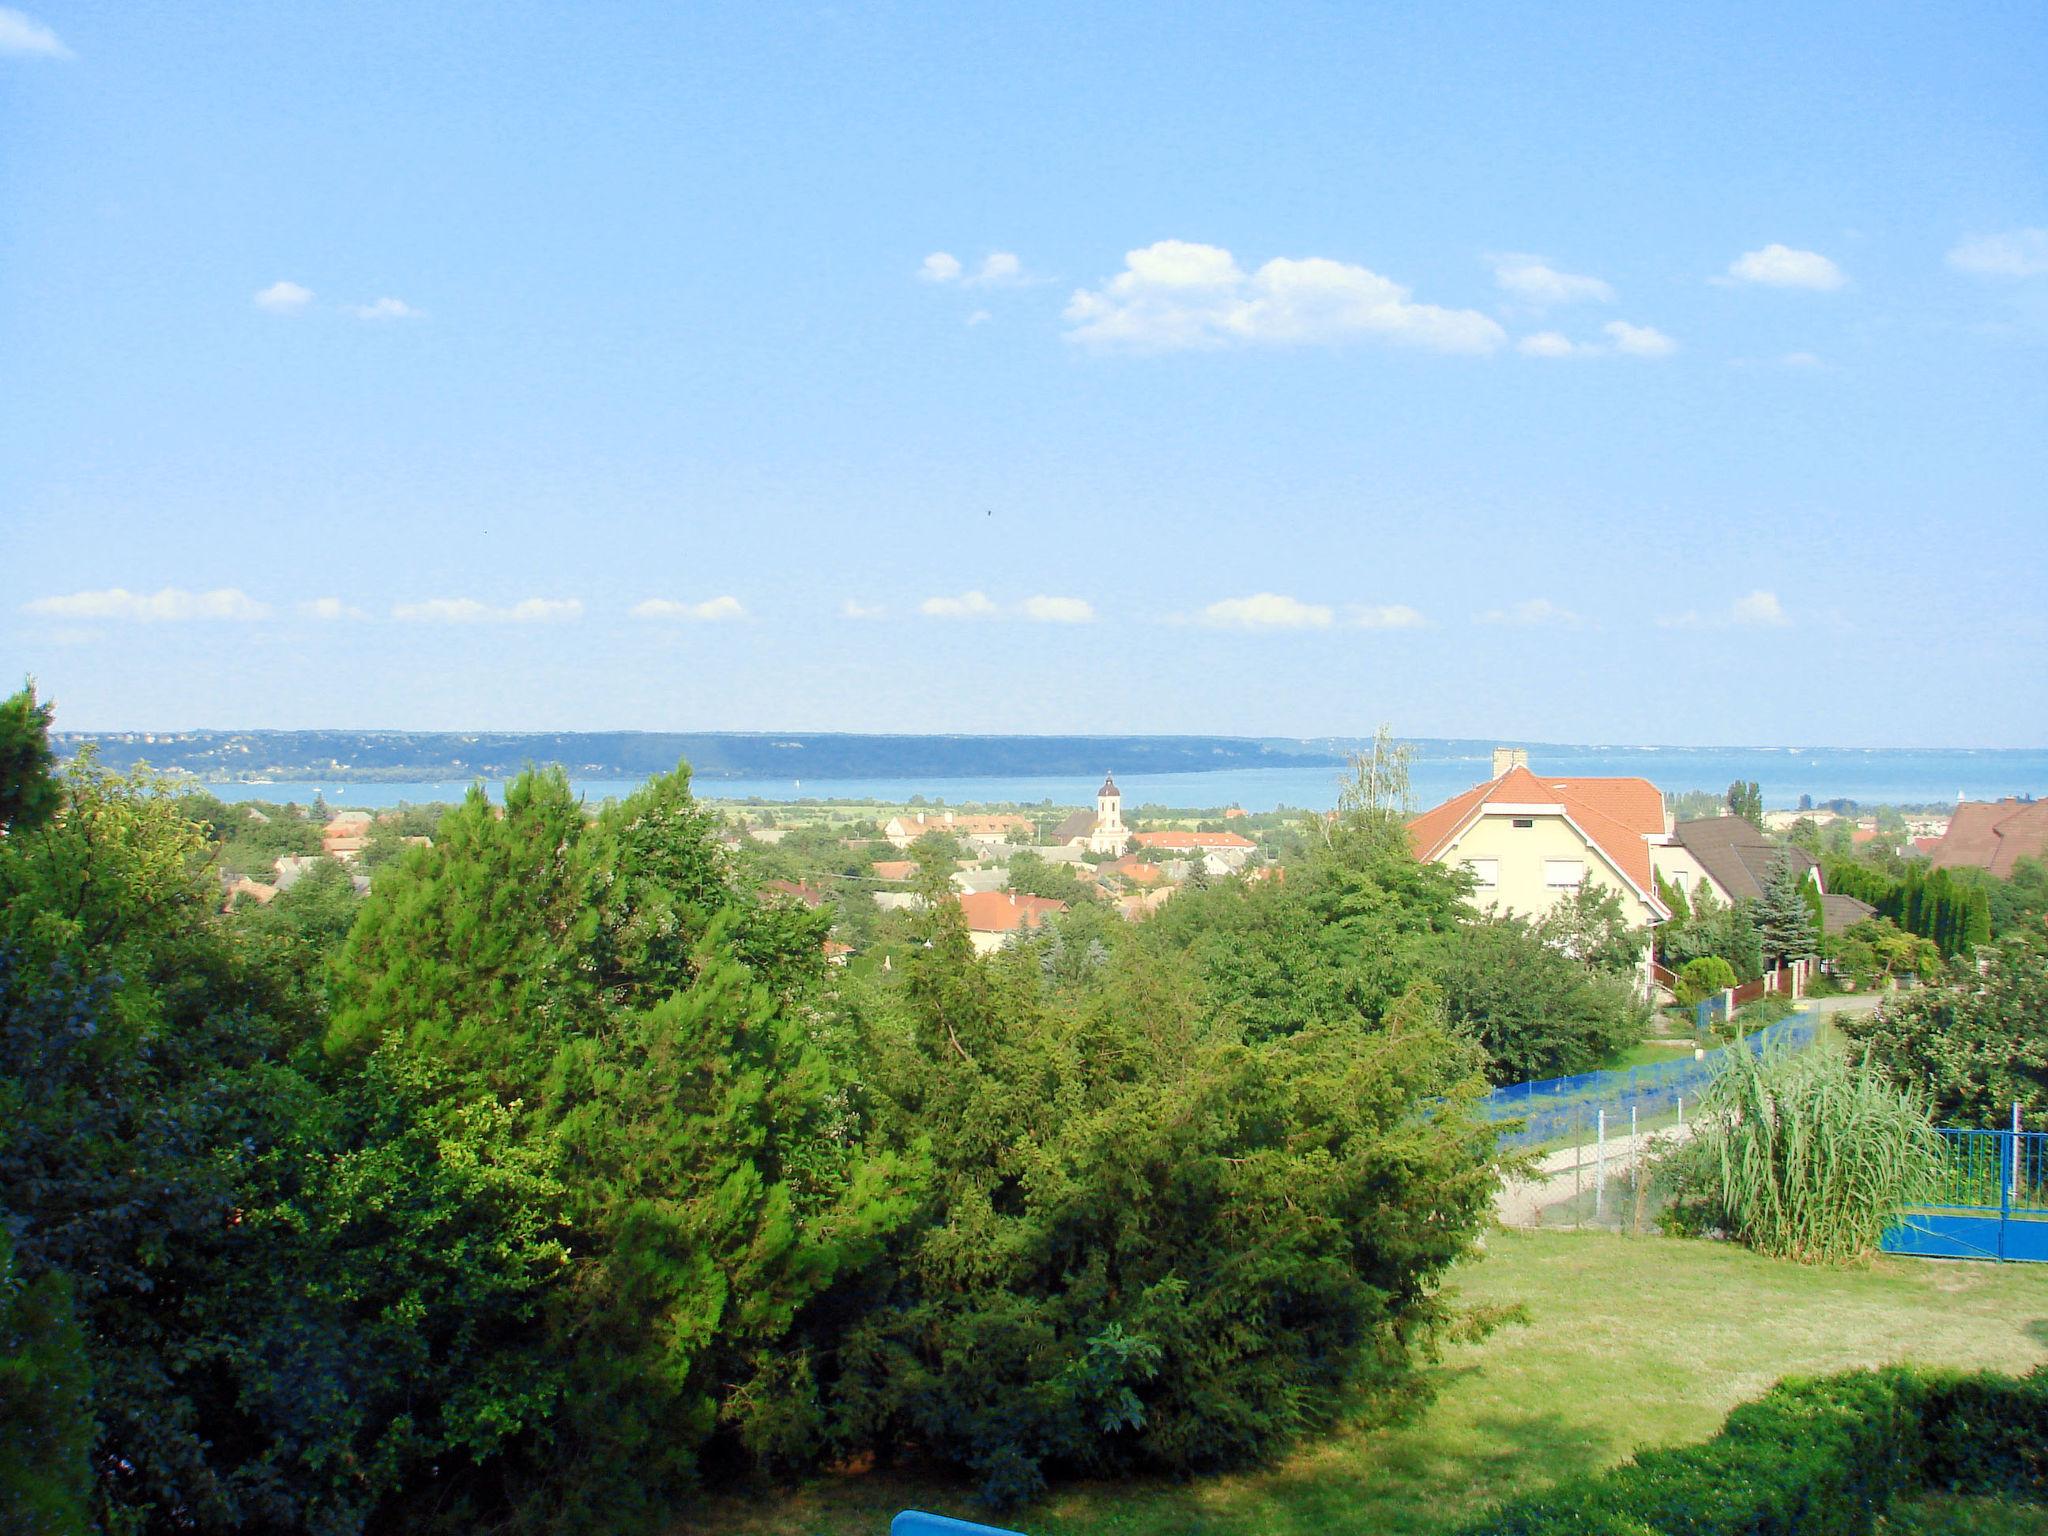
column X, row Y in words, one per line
column 1109, row 809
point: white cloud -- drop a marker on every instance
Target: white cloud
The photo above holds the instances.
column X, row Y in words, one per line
column 385, row 309
column 711, row 611
column 1535, row 282
column 283, row 298
column 998, row 269
column 467, row 610
column 1779, row 266
column 1638, row 340
column 1531, row 612
column 1175, row 294
column 2022, row 253
column 330, row 608
column 1387, row 616
column 1622, row 337
column 851, row 609
column 979, row 317
column 171, row 605
column 1265, row 610
column 1059, row 610
column 1801, row 360
column 25, row 35
column 1759, row 610
column 968, row 605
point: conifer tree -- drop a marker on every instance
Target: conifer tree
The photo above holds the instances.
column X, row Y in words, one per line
column 1784, row 922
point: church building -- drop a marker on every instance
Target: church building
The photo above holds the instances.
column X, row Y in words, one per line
column 1104, row 832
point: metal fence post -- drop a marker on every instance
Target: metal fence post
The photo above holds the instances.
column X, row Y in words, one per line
column 1600, row 1169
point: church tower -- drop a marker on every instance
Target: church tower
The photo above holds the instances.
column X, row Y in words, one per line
column 1109, row 835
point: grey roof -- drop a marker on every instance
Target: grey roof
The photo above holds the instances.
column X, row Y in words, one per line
column 1838, row 914
column 1736, row 854
column 1080, row 824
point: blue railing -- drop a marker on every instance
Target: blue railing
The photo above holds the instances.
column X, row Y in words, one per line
column 1989, row 1200
column 1563, row 1108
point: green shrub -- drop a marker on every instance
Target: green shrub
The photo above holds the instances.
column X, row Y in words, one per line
column 1819, row 1457
column 1703, row 978
column 1805, row 1156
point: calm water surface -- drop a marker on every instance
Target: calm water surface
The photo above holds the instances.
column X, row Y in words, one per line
column 1874, row 775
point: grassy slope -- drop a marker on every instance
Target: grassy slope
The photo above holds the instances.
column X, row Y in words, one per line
column 1632, row 1342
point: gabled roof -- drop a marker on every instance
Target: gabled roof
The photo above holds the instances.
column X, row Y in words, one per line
column 1080, row 824
column 1738, row 857
column 1618, row 816
column 809, row 895
column 1006, row 911
column 895, row 869
column 1993, row 835
column 1838, row 914
column 1192, row 840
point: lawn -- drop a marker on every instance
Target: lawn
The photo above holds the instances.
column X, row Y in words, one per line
column 1631, row 1342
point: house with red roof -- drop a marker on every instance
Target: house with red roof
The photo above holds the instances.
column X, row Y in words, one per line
column 1529, row 840
column 992, row 916
column 1187, row 842
column 1992, row 835
column 809, row 895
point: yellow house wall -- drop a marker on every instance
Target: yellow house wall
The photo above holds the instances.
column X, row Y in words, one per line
column 1676, row 860
column 1521, row 852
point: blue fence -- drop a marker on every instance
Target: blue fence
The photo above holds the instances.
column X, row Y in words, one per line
column 1565, row 1108
column 1990, row 1200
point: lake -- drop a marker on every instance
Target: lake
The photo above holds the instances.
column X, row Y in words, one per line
column 1872, row 775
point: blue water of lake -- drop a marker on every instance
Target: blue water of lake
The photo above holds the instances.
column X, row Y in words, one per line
column 1878, row 775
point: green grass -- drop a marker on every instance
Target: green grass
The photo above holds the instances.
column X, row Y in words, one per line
column 1632, row 1342
column 1945, row 1515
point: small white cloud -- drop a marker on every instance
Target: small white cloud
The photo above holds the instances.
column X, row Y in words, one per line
column 1759, row 610
column 1386, row 616
column 1535, row 282
column 330, row 608
column 1059, row 610
column 852, row 609
column 2022, row 253
column 467, row 610
column 283, row 298
column 1532, row 612
column 1176, row 295
column 939, row 267
column 1638, row 340
column 711, row 611
column 171, row 605
column 998, row 269
column 968, row 605
column 1548, row 344
column 1779, row 266
column 386, row 309
column 1265, row 610
column 21, row 34
column 1801, row 360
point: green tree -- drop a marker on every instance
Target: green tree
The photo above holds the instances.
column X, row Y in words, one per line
column 45, row 1406
column 1591, row 926
column 1534, row 1011
column 1784, row 921
column 1975, row 1046
column 1746, row 800
column 28, row 790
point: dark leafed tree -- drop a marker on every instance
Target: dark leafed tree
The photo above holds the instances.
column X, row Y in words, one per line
column 1746, row 800
column 28, row 792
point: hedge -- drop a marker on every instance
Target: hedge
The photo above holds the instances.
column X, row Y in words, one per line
column 1813, row 1457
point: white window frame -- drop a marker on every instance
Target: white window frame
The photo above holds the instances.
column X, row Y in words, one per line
column 1551, row 869
column 1485, row 873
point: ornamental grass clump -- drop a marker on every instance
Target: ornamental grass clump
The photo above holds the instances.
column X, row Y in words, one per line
column 1809, row 1156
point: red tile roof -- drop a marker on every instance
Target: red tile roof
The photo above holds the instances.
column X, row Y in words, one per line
column 895, row 869
column 1006, row 911
column 1993, row 835
column 809, row 895
column 1616, row 815
column 1191, row 840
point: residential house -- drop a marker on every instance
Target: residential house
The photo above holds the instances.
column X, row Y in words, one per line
column 809, row 895
column 1529, row 841
column 348, row 824
column 1133, row 870
column 346, row 849
column 1141, row 904
column 836, row 953
column 996, row 827
column 896, row 871
column 974, row 877
column 290, row 867
column 263, row 895
column 1188, row 842
column 1730, row 854
column 993, row 916
column 1993, row 835
column 1103, row 832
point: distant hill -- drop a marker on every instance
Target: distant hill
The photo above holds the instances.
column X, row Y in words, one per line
column 405, row 756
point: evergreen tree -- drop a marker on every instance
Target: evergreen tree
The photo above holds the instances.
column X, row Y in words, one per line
column 28, row 788
column 1784, row 922
column 1746, row 800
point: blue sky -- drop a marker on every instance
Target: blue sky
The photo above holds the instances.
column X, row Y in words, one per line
column 1596, row 373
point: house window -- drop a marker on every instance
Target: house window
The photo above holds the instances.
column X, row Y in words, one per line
column 1523, row 823
column 1680, row 878
column 1485, row 872
column 1564, row 874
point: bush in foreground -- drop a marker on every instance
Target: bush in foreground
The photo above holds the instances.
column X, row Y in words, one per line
column 1821, row 1457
